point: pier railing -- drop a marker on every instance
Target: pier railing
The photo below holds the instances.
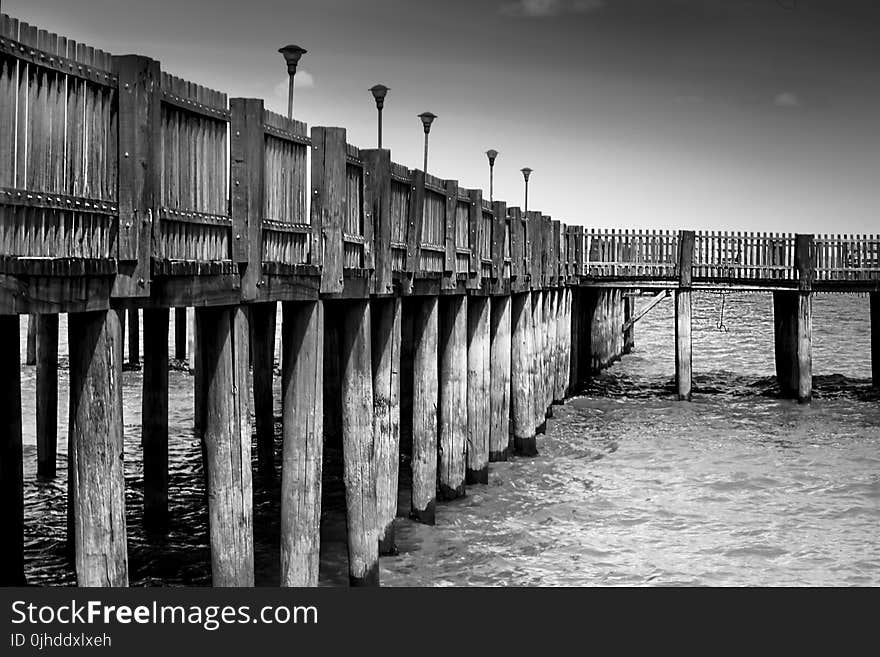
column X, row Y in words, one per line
column 124, row 177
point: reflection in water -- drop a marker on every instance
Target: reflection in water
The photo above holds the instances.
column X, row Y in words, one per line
column 631, row 487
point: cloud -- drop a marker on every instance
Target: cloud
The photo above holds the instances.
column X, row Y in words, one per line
column 549, row 8
column 787, row 99
column 303, row 80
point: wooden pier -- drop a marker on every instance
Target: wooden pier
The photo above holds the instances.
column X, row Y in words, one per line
column 400, row 293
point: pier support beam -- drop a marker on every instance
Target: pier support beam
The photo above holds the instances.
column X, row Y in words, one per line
column 560, row 365
column 499, row 357
column 223, row 334
column 95, row 340
column 538, row 381
column 357, row 444
column 134, row 337
column 479, row 392
column 179, row 334
column 47, row 395
column 683, row 341
column 386, row 414
column 522, row 376
column 11, row 466
column 424, row 410
column 263, row 354
column 453, row 396
column 154, row 404
column 792, row 323
column 629, row 311
column 31, row 355
column 575, row 340
column 302, row 394
column 875, row 338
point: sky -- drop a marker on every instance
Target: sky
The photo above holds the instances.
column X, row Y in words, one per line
column 740, row 115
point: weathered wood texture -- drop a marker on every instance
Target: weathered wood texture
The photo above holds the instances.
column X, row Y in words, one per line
column 683, row 345
column 302, row 390
column 875, row 338
column 500, row 366
column 358, row 444
column 33, row 328
column 328, row 204
column 47, row 395
column 263, row 352
column 223, row 333
column 11, row 466
column 792, row 320
column 387, row 314
column 522, row 378
column 95, row 341
column 479, row 391
column 424, row 409
column 453, row 397
column 538, row 335
column 154, row 405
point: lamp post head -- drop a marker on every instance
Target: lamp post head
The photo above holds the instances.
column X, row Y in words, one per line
column 491, row 154
column 379, row 92
column 291, row 56
column 526, row 172
column 427, row 119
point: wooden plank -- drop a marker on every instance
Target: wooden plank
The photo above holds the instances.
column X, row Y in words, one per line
column 139, row 170
column 377, row 171
column 414, row 222
column 329, row 189
column 499, row 223
column 451, row 190
column 686, row 243
column 516, row 243
column 248, row 154
column 475, row 233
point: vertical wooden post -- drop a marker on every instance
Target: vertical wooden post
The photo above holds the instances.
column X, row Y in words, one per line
column 424, row 415
column 522, row 410
column 328, row 201
column 223, row 334
column 792, row 315
column 574, row 375
column 263, row 350
column 559, row 365
column 154, row 436
column 479, row 392
column 134, row 337
column 11, row 465
column 499, row 432
column 377, row 167
column 357, row 444
column 453, row 396
column 95, row 340
column 875, row 338
column 199, row 375
column 538, row 381
column 805, row 262
column 179, row 334
column 31, row 355
column 683, row 343
column 629, row 305
column 386, row 414
column 302, row 393
column 47, row 395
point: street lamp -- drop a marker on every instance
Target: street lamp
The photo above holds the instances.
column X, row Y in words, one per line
column 491, row 154
column 379, row 92
column 526, row 172
column 427, row 119
column 291, row 56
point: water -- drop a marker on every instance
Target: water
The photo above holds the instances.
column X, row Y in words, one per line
column 631, row 487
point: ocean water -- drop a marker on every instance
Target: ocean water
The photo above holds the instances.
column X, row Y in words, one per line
column 631, row 486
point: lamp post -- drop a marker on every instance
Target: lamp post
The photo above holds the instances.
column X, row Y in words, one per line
column 491, row 154
column 291, row 56
column 427, row 119
column 526, row 172
column 379, row 92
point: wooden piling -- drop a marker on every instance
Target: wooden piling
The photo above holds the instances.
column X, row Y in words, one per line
column 47, row 395
column 31, row 354
column 134, row 337
column 538, row 382
column 96, row 353
column 629, row 308
column 357, row 444
column 223, row 334
column 154, row 401
column 560, row 372
column 792, row 322
column 424, row 413
column 386, row 345
column 453, row 397
column 302, row 394
column 575, row 340
column 499, row 431
column 683, row 342
column 875, row 338
column 11, row 465
column 263, row 353
column 521, row 376
column 179, row 334
column 479, row 392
